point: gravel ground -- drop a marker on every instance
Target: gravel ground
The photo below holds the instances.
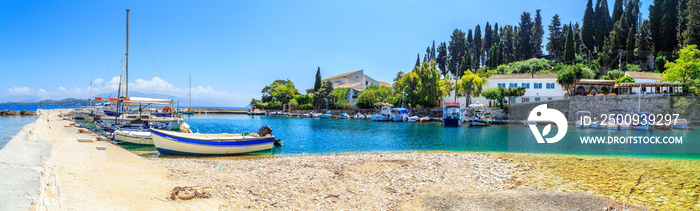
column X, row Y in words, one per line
column 375, row 181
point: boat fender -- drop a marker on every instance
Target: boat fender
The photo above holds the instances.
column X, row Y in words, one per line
column 186, row 195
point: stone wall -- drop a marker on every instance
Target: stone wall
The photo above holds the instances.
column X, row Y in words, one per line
column 421, row 112
column 686, row 106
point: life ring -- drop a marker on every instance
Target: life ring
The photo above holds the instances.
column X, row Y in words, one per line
column 167, row 109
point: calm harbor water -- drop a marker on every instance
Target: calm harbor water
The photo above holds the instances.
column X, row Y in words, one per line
column 321, row 136
column 11, row 125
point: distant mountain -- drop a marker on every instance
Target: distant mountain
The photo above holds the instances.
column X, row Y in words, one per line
column 64, row 102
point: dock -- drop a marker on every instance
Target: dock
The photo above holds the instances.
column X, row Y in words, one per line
column 219, row 111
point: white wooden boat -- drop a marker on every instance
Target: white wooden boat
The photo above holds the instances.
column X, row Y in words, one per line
column 170, row 142
column 681, row 124
column 134, row 137
column 399, row 114
column 411, row 119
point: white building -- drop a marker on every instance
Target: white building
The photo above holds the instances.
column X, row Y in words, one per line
column 644, row 77
column 355, row 81
column 539, row 87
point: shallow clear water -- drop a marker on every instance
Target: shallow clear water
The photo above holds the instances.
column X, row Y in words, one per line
column 319, row 136
column 11, row 125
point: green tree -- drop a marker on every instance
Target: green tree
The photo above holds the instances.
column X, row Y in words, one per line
column 537, row 34
column 442, row 58
column 470, row 85
column 617, row 11
column 317, row 84
column 555, row 44
column 323, row 95
column 456, row 48
column 493, row 94
column 588, row 29
column 691, row 32
column 304, row 99
column 525, row 36
column 568, row 76
column 569, row 51
column 488, row 33
column 510, row 93
column 478, row 48
column 685, row 69
column 643, row 41
column 601, row 23
column 417, row 60
column 625, row 79
column 281, row 90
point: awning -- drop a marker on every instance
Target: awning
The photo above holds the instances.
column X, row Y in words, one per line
column 648, row 84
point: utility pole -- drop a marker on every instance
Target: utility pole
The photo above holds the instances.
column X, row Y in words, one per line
column 619, row 69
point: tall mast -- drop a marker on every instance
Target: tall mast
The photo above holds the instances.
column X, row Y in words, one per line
column 190, row 95
column 127, row 53
column 90, row 99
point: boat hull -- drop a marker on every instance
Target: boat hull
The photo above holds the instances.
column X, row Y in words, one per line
column 134, row 137
column 171, row 143
column 450, row 122
column 479, row 123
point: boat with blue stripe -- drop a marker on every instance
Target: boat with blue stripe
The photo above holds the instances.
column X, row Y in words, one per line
column 171, row 142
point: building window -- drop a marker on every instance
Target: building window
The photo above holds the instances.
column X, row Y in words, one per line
column 549, row 98
column 537, row 99
column 526, row 85
column 538, row 85
column 525, row 100
column 550, row 85
column 366, row 83
column 502, row 85
column 513, row 85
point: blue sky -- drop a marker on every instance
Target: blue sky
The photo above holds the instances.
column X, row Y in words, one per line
column 49, row 49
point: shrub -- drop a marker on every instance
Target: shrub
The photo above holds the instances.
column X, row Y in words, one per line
column 306, row 107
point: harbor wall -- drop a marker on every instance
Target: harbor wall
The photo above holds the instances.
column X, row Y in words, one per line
column 687, row 107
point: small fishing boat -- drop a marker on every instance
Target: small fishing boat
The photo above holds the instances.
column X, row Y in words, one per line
column 325, row 116
column 528, row 123
column 663, row 125
column 451, row 114
column 411, row 119
column 398, row 114
column 595, row 124
column 253, row 111
column 424, row 119
column 579, row 119
column 134, row 137
column 681, row 124
column 384, row 114
column 479, row 115
column 170, row 142
column 344, row 116
column 619, row 122
column 643, row 123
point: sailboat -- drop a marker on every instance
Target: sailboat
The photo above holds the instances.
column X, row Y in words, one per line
column 189, row 95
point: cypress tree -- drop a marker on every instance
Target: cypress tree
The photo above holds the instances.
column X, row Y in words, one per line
column 477, row 46
column 631, row 40
column 669, row 32
column 555, row 40
column 456, row 51
column 691, row 33
column 495, row 38
column 317, row 84
column 577, row 38
column 617, row 12
column 602, row 23
column 655, row 24
column 644, row 43
column 432, row 52
column 441, row 59
column 537, row 34
column 417, row 61
column 569, row 54
column 525, row 46
column 487, row 39
column 588, row 30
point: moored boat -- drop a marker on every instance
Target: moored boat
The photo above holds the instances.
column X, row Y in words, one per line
column 170, row 142
column 479, row 116
column 451, row 114
column 399, row 114
column 643, row 123
column 681, row 124
column 411, row 119
column 134, row 137
column 344, row 116
column 384, row 114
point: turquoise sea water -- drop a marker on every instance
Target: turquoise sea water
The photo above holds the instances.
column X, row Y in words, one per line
column 11, row 125
column 319, row 136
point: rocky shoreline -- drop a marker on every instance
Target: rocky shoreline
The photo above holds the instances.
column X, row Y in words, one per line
column 7, row 112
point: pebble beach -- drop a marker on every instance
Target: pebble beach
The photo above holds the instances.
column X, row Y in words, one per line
column 82, row 176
